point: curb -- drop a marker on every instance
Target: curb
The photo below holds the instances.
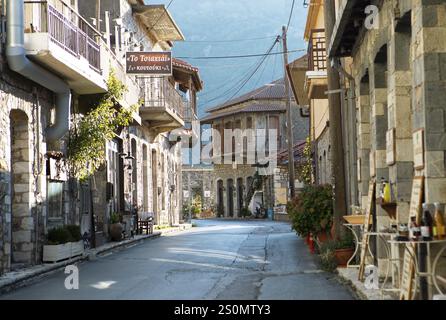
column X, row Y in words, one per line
column 19, row 279
column 356, row 292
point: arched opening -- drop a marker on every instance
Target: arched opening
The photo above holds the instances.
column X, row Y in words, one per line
column 220, row 203
column 240, row 199
column 22, row 226
column 134, row 174
column 230, row 195
column 155, row 186
column 145, row 179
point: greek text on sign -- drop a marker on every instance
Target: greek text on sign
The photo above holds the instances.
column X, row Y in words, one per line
column 149, row 63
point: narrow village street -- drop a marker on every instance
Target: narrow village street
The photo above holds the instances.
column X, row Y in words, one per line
column 218, row 259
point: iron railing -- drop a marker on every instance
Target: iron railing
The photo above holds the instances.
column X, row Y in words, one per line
column 66, row 28
column 317, row 54
column 158, row 92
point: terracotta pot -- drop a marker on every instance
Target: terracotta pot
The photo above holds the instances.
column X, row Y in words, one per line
column 343, row 255
column 323, row 237
column 116, row 231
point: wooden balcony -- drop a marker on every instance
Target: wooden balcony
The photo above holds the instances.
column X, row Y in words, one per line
column 316, row 76
column 163, row 106
column 58, row 38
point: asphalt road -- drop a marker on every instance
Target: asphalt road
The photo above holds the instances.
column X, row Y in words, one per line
column 231, row 260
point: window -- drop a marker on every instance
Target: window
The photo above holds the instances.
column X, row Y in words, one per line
column 55, row 199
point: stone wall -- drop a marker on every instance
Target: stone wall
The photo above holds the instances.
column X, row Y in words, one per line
column 400, row 89
column 23, row 118
column 322, row 149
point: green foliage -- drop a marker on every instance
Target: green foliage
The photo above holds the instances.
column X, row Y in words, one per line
column 304, row 170
column 346, row 242
column 245, row 212
column 88, row 137
column 312, row 210
column 75, row 232
column 65, row 234
column 327, row 257
column 115, row 218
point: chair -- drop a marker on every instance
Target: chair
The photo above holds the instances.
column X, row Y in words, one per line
column 145, row 223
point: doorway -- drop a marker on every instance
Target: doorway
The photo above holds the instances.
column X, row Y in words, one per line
column 22, row 226
column 155, row 186
column 230, row 195
column 240, row 196
column 220, row 203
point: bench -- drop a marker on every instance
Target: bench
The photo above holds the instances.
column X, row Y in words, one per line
column 145, row 223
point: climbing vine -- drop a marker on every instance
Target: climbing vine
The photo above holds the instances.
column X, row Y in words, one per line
column 305, row 168
column 89, row 134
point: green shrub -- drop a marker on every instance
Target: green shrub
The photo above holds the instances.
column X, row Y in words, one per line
column 346, row 242
column 75, row 232
column 59, row 235
column 115, row 218
column 327, row 258
column 245, row 212
column 312, row 210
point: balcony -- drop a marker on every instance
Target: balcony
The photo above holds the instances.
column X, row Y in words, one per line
column 349, row 27
column 316, row 76
column 58, row 38
column 163, row 107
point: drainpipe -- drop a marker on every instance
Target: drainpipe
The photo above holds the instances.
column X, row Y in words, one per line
column 18, row 62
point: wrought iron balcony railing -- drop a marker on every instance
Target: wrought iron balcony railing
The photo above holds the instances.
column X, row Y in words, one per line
column 158, row 92
column 317, row 54
column 66, row 28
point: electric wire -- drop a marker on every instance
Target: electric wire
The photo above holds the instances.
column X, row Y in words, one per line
column 241, row 56
column 291, row 15
column 245, row 77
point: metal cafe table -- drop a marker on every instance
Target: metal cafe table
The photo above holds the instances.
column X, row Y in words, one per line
column 430, row 272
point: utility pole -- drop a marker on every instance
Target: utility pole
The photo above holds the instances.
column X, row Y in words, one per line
column 335, row 118
column 288, row 116
column 98, row 15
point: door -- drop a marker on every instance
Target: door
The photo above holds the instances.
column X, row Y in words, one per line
column 230, row 196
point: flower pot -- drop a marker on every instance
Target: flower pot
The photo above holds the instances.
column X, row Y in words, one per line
column 60, row 252
column 323, row 237
column 116, row 230
column 343, row 255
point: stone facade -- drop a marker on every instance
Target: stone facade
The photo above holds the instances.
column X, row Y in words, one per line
column 23, row 118
column 400, row 80
column 233, row 182
column 142, row 169
column 198, row 181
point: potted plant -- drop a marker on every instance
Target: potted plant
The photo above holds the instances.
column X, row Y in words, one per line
column 63, row 243
column 116, row 228
column 344, row 249
column 311, row 212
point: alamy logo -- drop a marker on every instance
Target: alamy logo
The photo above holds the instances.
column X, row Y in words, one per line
column 372, row 18
column 371, row 279
column 72, row 281
column 236, row 146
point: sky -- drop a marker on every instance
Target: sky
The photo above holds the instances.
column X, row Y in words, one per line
column 205, row 23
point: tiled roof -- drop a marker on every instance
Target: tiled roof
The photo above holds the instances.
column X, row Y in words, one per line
column 273, row 90
column 248, row 109
column 282, row 157
column 183, row 64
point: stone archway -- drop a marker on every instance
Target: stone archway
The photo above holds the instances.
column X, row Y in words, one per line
column 22, row 225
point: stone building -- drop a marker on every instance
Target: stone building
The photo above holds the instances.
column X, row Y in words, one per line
column 394, row 53
column 54, row 80
column 236, row 178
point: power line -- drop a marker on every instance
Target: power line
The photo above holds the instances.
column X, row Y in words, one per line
column 291, row 15
column 245, row 76
column 255, row 71
column 242, row 56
